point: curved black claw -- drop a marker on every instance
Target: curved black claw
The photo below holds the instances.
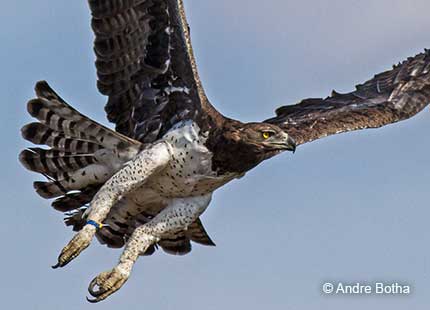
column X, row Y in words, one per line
column 93, row 301
column 92, row 289
column 79, row 243
column 105, row 284
column 64, row 258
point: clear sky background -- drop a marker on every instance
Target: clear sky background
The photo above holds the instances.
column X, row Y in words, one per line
column 347, row 208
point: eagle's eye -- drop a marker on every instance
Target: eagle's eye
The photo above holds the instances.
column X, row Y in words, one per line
column 267, row 134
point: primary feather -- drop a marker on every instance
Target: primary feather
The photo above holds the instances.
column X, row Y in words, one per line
column 145, row 65
column 389, row 97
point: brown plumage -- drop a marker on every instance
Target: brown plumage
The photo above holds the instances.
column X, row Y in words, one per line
column 389, row 97
column 171, row 145
column 136, row 39
column 144, row 57
column 145, row 65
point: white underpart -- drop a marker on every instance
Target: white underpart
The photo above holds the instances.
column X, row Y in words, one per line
column 171, row 180
column 131, row 177
column 173, row 174
column 188, row 174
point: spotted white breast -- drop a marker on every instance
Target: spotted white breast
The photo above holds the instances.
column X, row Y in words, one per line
column 189, row 172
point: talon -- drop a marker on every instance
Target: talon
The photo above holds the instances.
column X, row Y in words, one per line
column 79, row 243
column 107, row 283
column 93, row 301
column 91, row 287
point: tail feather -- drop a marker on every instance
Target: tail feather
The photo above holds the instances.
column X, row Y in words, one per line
column 71, row 181
column 59, row 118
column 82, row 154
column 53, row 162
column 51, row 110
column 197, row 233
column 41, row 134
column 73, row 201
column 178, row 245
column 49, row 189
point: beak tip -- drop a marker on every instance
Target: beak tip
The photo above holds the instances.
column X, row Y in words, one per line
column 291, row 145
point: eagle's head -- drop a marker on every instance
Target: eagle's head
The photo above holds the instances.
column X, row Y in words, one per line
column 264, row 139
column 241, row 147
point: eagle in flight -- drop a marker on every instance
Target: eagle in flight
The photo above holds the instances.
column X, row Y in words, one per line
column 145, row 185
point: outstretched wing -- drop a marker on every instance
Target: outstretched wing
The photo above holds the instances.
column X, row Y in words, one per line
column 389, row 97
column 145, row 65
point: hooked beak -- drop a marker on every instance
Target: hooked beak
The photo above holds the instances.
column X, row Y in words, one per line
column 290, row 144
column 283, row 143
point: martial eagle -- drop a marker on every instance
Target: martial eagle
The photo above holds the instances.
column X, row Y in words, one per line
column 145, row 185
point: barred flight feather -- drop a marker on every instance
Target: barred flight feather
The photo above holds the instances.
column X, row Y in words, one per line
column 82, row 155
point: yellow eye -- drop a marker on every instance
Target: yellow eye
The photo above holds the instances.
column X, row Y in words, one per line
column 266, row 135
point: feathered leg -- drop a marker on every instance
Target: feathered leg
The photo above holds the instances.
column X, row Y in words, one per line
column 180, row 214
column 133, row 175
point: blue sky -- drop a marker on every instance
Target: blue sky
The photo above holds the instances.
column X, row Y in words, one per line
column 347, row 208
